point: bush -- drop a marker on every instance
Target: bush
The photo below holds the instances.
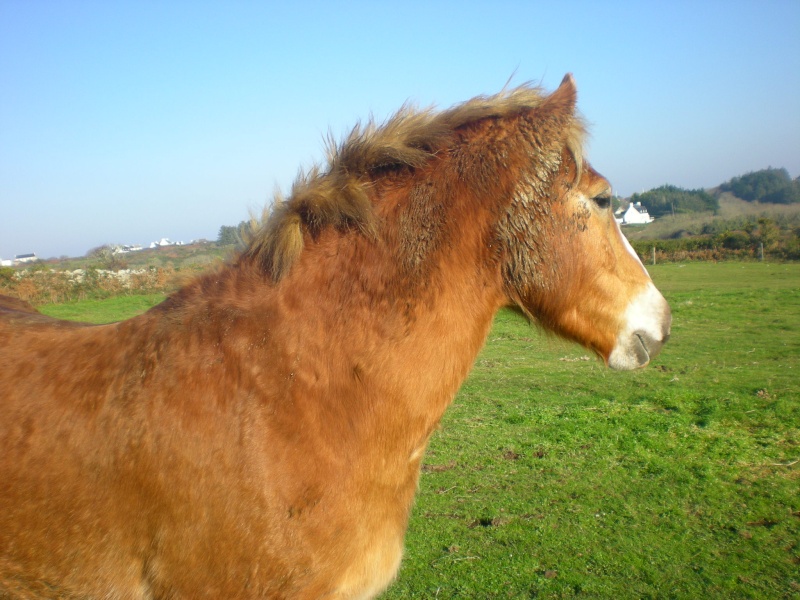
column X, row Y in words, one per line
column 735, row 240
column 47, row 286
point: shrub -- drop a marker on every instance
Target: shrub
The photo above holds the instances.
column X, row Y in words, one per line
column 735, row 240
column 47, row 286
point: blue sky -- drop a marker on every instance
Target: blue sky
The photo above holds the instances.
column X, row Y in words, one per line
column 125, row 122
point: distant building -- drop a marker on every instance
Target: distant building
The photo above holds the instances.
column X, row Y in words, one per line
column 165, row 242
column 25, row 258
column 6, row 263
column 635, row 214
column 125, row 248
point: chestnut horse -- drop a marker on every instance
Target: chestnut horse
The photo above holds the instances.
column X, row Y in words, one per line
column 259, row 434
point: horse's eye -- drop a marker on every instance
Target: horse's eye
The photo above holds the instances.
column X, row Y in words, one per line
column 602, row 201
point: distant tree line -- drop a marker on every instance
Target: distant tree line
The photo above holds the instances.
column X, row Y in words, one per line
column 768, row 185
column 669, row 199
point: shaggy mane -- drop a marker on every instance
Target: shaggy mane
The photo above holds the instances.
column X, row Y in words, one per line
column 338, row 195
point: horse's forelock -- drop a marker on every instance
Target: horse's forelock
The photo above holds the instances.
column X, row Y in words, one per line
column 339, row 196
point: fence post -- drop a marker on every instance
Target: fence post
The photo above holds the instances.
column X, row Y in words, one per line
column 654, row 255
column 761, row 251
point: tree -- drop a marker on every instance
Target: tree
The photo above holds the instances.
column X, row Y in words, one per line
column 768, row 233
column 229, row 235
column 768, row 185
column 106, row 258
column 669, row 199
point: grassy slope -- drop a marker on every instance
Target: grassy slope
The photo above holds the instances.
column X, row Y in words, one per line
column 552, row 476
column 194, row 255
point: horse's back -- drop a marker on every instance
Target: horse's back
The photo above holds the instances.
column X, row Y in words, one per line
column 9, row 304
column 56, row 491
column 18, row 313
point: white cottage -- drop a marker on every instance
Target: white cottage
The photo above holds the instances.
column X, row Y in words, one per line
column 635, row 214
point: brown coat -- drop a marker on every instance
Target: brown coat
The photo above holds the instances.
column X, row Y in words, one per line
column 260, row 433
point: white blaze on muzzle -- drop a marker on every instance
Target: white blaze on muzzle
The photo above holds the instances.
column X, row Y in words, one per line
column 646, row 326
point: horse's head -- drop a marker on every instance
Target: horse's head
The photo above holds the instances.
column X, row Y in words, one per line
column 565, row 261
column 516, row 159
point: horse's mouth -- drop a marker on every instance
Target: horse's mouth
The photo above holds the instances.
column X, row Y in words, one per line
column 646, row 347
column 640, row 349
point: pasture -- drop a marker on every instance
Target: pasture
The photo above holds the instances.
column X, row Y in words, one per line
column 552, row 476
column 106, row 310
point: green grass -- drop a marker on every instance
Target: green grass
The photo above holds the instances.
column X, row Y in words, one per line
column 553, row 477
column 103, row 311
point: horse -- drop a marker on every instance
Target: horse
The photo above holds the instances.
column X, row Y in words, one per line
column 260, row 433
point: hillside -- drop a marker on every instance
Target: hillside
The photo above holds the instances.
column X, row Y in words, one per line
column 201, row 254
column 733, row 214
column 733, row 205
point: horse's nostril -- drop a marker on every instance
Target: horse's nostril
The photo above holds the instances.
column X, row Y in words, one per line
column 651, row 345
column 641, row 349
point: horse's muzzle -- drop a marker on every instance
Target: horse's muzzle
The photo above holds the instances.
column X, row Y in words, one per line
column 646, row 329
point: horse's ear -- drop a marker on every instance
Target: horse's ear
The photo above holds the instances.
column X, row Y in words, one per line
column 565, row 97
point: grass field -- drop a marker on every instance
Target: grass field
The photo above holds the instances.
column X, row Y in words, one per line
column 554, row 477
column 103, row 311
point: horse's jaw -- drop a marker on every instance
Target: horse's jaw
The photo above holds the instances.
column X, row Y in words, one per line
column 645, row 328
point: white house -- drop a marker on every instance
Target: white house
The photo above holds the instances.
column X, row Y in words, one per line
column 635, row 214
column 6, row 263
column 162, row 243
column 25, row 258
column 165, row 242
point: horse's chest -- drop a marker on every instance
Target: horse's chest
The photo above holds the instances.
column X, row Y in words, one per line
column 367, row 544
column 373, row 569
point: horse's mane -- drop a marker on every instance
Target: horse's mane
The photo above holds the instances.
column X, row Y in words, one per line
column 338, row 195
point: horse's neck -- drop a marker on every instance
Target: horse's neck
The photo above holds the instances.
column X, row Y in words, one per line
column 345, row 347
column 390, row 358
